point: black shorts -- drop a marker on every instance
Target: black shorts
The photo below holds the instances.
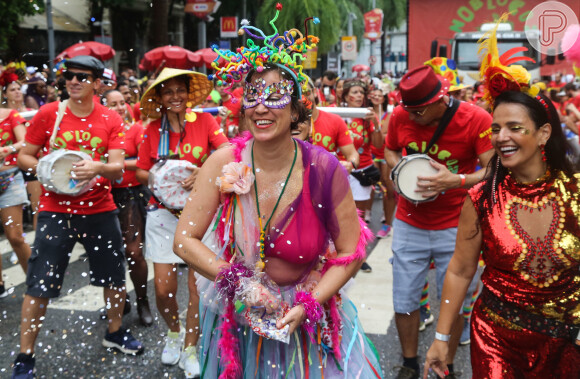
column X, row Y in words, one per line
column 132, row 203
column 28, row 176
column 56, row 235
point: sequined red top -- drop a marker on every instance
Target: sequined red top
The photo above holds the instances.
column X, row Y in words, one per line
column 531, row 245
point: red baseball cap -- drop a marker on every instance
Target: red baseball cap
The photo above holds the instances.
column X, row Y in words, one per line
column 420, row 87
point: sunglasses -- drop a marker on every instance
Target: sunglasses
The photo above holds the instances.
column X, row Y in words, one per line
column 81, row 76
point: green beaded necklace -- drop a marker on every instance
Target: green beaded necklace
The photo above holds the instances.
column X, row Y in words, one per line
column 260, row 264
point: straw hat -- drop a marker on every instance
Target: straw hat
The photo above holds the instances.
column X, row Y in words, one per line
column 199, row 88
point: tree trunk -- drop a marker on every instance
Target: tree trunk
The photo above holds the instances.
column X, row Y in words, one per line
column 158, row 33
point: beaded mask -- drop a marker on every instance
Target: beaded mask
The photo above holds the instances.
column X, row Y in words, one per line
column 284, row 49
column 257, row 93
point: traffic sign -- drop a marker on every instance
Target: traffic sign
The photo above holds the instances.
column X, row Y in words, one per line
column 372, row 59
column 201, row 8
column 349, row 48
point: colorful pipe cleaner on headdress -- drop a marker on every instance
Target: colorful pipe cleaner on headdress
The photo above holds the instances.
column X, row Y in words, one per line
column 497, row 73
column 286, row 50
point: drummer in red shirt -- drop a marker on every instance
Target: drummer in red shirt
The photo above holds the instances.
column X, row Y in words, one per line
column 177, row 133
column 427, row 230
column 89, row 218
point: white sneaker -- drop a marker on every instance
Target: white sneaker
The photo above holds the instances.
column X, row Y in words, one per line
column 189, row 362
column 173, row 345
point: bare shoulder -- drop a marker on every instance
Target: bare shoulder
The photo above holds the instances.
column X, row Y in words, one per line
column 219, row 158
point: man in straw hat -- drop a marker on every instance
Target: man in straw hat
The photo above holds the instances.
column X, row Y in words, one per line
column 89, row 218
column 427, row 230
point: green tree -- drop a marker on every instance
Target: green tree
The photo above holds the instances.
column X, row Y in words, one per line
column 11, row 14
column 295, row 12
column 333, row 15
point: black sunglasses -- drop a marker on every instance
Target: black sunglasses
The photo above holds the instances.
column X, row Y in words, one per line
column 81, row 76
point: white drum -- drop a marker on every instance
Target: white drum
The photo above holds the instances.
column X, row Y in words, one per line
column 405, row 173
column 54, row 172
column 165, row 180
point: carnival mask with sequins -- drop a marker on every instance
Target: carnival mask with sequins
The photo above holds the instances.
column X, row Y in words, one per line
column 257, row 93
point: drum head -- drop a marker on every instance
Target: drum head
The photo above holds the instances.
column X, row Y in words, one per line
column 407, row 177
column 165, row 181
column 54, row 172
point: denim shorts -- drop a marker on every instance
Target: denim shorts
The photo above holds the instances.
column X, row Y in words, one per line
column 15, row 194
column 56, row 235
column 413, row 249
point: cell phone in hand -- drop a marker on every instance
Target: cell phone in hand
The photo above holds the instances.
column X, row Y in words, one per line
column 326, row 91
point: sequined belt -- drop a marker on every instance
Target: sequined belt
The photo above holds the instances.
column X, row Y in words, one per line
column 530, row 321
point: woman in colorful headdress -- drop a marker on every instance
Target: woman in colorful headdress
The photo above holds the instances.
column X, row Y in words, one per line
column 525, row 216
column 283, row 235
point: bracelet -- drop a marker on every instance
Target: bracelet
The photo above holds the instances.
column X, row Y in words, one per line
column 312, row 308
column 462, row 176
column 442, row 337
column 228, row 279
column 13, row 149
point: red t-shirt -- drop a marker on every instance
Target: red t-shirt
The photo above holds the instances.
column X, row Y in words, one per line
column 137, row 111
column 234, row 104
column 7, row 136
column 133, row 138
column 95, row 135
column 322, row 98
column 466, row 137
column 200, row 138
column 330, row 132
column 360, row 131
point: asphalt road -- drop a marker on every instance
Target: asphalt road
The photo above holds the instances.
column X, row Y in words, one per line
column 69, row 344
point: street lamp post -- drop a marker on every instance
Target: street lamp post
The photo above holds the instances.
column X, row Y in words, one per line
column 102, row 24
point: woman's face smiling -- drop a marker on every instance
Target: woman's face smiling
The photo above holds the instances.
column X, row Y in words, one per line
column 515, row 138
column 116, row 102
column 174, row 95
column 355, row 97
column 268, row 123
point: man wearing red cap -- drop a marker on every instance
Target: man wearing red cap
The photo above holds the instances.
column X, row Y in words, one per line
column 427, row 230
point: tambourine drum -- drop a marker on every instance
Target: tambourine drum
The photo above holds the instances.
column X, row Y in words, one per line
column 54, row 172
column 405, row 173
column 165, row 179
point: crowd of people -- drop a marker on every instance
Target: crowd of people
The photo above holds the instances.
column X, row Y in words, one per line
column 261, row 181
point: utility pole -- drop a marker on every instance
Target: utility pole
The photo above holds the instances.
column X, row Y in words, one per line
column 50, row 27
column 351, row 16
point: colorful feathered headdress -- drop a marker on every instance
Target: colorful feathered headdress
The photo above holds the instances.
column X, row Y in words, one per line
column 498, row 73
column 287, row 50
column 9, row 74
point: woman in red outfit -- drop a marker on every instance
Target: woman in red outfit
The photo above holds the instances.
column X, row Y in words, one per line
column 525, row 217
column 176, row 134
column 131, row 198
column 379, row 100
column 12, row 190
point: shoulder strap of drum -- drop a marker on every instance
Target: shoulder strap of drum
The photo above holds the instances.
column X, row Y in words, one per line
column 61, row 108
column 445, row 120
